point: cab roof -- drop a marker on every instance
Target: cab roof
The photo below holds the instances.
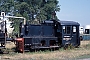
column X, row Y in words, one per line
column 69, row 23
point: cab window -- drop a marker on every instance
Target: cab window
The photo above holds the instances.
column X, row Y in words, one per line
column 66, row 29
column 74, row 29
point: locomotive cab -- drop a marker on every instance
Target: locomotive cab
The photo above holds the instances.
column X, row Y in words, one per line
column 70, row 33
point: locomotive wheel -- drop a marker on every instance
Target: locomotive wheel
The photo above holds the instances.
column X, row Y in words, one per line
column 57, row 48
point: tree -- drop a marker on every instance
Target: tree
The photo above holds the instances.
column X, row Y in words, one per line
column 30, row 9
column 7, row 6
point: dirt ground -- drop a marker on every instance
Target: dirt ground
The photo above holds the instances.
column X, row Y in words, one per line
column 60, row 54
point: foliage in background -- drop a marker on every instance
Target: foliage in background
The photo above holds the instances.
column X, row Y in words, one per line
column 32, row 10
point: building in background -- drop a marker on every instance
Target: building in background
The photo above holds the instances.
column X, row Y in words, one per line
column 87, row 29
column 86, row 35
column 81, row 30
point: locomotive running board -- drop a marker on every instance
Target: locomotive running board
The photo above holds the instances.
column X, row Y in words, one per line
column 36, row 47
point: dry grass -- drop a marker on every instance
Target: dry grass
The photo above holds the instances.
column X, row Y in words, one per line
column 10, row 45
column 84, row 43
column 53, row 55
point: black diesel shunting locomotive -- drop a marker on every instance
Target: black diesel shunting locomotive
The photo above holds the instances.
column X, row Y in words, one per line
column 48, row 34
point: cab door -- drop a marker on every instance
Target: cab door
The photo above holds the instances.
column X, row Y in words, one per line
column 66, row 34
column 70, row 35
column 74, row 35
